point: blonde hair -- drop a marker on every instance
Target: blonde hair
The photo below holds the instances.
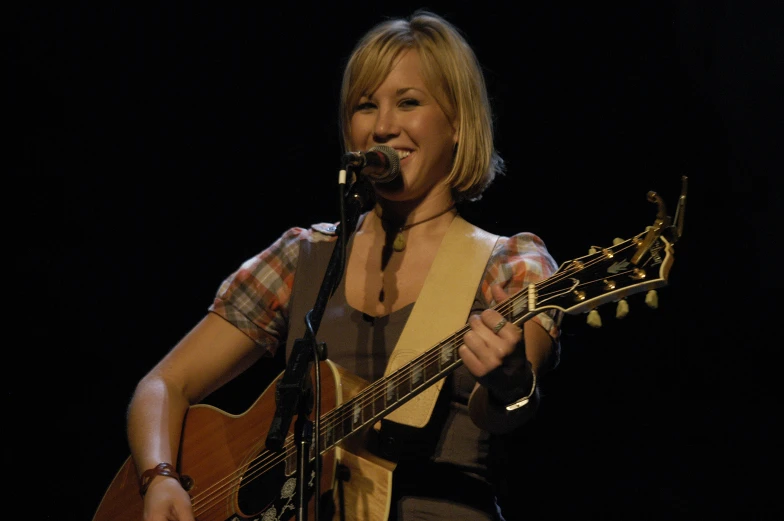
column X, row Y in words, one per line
column 453, row 73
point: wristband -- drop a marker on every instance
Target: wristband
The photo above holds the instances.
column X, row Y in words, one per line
column 161, row 469
column 522, row 402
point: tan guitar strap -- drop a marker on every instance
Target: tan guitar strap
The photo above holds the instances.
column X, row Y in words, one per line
column 441, row 309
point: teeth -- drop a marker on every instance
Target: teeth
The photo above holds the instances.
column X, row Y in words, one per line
column 402, row 154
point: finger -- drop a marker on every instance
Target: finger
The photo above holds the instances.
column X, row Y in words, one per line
column 498, row 326
column 474, row 366
column 500, row 295
column 474, row 363
column 479, row 340
column 490, row 320
column 486, row 345
column 498, row 292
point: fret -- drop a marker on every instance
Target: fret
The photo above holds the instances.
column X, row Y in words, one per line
column 391, row 394
column 519, row 307
column 403, row 387
column 447, row 351
column 356, row 416
column 329, row 436
column 346, row 426
column 417, row 375
column 379, row 403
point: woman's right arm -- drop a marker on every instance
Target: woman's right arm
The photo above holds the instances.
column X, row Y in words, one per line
column 209, row 356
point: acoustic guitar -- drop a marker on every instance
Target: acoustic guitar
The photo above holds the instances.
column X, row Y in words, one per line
column 232, row 476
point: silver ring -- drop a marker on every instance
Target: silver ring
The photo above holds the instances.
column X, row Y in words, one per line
column 498, row 326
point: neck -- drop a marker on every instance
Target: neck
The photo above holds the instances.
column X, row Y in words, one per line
column 399, row 214
column 396, row 231
column 405, row 225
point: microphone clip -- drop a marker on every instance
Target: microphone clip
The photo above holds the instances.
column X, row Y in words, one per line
column 354, row 161
column 380, row 164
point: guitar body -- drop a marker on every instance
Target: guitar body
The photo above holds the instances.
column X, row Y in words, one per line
column 235, row 477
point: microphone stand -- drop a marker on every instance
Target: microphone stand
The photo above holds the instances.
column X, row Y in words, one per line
column 294, row 391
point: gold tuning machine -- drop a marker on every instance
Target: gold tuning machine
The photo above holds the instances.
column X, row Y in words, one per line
column 594, row 320
column 623, row 308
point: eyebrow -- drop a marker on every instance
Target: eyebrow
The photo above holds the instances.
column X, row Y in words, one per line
column 398, row 92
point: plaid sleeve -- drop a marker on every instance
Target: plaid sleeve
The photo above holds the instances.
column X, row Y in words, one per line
column 255, row 298
column 515, row 263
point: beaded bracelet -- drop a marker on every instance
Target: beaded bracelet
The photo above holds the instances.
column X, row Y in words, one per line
column 161, row 469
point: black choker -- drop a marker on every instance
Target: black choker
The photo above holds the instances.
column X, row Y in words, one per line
column 400, row 241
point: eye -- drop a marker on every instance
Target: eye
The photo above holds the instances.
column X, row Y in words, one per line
column 409, row 102
column 364, row 107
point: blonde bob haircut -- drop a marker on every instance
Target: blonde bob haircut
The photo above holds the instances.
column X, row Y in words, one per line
column 452, row 72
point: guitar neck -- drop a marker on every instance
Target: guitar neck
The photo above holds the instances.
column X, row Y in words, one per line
column 578, row 286
column 387, row 394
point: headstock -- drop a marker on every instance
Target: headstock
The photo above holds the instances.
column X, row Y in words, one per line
column 641, row 263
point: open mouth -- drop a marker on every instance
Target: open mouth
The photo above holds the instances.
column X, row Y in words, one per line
column 402, row 154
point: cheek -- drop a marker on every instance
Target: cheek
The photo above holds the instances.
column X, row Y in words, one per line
column 419, row 126
column 433, row 127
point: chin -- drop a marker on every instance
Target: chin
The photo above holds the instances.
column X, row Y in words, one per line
column 391, row 188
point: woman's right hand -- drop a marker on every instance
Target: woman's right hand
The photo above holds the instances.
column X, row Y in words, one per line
column 166, row 500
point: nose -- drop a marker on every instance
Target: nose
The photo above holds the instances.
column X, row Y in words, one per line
column 386, row 125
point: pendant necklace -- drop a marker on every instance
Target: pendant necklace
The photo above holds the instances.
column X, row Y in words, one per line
column 400, row 241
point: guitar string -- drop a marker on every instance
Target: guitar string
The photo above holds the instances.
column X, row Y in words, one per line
column 262, row 464
column 325, row 418
column 402, row 375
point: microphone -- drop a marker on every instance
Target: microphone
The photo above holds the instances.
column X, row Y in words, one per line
column 380, row 164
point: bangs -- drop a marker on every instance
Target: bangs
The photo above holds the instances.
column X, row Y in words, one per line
column 368, row 68
column 368, row 72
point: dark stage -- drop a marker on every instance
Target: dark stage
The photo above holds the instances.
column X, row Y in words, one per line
column 154, row 149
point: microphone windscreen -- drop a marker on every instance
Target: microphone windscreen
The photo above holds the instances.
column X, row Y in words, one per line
column 392, row 159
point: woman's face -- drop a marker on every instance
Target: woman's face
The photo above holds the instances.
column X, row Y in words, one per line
column 403, row 114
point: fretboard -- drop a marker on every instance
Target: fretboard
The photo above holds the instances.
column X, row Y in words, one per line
column 388, row 393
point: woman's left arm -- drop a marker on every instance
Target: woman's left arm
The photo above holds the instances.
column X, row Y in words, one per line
column 506, row 364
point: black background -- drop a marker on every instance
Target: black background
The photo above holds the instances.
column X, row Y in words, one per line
column 152, row 150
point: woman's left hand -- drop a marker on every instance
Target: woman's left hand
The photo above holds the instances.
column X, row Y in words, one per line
column 494, row 352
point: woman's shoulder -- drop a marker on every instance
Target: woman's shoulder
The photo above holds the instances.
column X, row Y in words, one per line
column 285, row 249
column 521, row 244
column 317, row 232
column 522, row 257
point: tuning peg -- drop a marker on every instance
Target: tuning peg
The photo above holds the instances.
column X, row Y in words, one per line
column 592, row 250
column 623, row 308
column 652, row 299
column 617, row 240
column 594, row 320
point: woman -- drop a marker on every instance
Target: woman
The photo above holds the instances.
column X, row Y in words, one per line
column 413, row 85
